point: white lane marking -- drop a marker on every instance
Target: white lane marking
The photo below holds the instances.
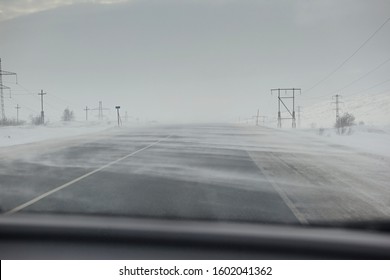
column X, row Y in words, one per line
column 289, row 203
column 38, row 198
column 282, row 194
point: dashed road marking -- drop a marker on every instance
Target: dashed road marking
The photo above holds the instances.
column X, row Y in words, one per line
column 42, row 196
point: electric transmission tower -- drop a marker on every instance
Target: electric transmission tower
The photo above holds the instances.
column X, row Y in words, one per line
column 100, row 110
column 289, row 94
column 3, row 73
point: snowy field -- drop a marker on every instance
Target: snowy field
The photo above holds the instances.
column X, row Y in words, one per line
column 371, row 109
column 371, row 134
column 369, row 139
column 364, row 138
column 16, row 135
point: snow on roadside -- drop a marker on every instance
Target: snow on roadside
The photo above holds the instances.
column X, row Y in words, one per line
column 372, row 109
column 16, row 135
column 370, row 139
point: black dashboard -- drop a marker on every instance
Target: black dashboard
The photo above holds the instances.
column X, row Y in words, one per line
column 35, row 236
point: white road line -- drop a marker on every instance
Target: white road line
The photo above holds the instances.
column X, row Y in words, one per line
column 290, row 204
column 282, row 194
column 38, row 198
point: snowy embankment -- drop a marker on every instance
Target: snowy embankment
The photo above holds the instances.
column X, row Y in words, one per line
column 16, row 135
column 370, row 109
column 372, row 112
column 370, row 139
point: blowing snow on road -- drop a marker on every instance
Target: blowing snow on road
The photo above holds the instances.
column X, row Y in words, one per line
column 223, row 172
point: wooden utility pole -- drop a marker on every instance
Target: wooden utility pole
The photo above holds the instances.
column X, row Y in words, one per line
column 17, row 113
column 337, row 109
column 86, row 112
column 42, row 112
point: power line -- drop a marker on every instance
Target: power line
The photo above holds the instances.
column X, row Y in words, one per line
column 383, row 91
column 365, row 75
column 367, row 110
column 371, row 87
column 25, row 89
column 30, row 93
column 357, row 92
column 63, row 100
column 13, row 90
column 25, row 106
column 291, row 110
column 17, row 113
column 299, row 116
column 55, row 107
column 352, row 55
column 86, row 112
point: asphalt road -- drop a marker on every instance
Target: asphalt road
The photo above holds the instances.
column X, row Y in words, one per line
column 218, row 172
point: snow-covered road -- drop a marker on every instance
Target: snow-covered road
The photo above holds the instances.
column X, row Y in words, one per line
column 224, row 172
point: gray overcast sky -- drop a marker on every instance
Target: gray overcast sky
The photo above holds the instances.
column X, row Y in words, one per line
column 187, row 60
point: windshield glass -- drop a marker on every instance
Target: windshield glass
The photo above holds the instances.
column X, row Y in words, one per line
column 249, row 111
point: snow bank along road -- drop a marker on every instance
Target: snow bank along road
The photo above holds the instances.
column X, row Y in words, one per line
column 223, row 172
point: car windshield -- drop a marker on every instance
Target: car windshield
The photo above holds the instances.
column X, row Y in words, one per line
column 223, row 110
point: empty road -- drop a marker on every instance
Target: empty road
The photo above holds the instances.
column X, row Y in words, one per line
column 217, row 172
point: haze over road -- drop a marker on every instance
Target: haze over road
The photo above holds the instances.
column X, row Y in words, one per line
column 219, row 172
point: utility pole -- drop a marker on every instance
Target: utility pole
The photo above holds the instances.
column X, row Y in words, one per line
column 289, row 94
column 17, row 113
column 263, row 119
column 86, row 112
column 299, row 116
column 100, row 111
column 257, row 117
column 42, row 112
column 119, row 117
column 3, row 73
column 337, row 109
